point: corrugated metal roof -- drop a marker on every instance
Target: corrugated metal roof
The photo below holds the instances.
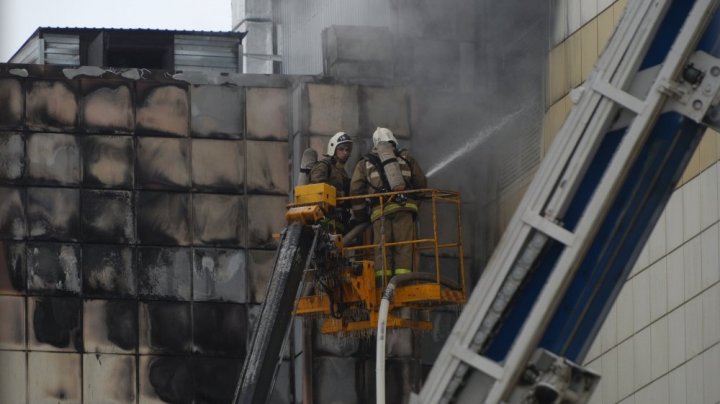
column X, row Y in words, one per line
column 80, row 30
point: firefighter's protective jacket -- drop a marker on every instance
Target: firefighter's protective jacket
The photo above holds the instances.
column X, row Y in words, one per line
column 332, row 172
column 367, row 179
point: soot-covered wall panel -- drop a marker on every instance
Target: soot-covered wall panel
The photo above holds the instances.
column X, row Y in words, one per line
column 163, row 218
column 53, row 158
column 107, row 106
column 13, row 385
column 12, row 213
column 51, row 105
column 12, row 268
column 12, row 151
column 53, row 268
column 53, row 214
column 54, row 377
column 218, row 165
column 12, row 312
column 267, row 114
column 163, row 163
column 164, row 273
column 12, row 102
column 55, row 324
column 110, row 326
column 109, row 271
column 220, row 275
column 217, row 219
column 125, row 228
column 109, row 378
column 108, row 161
column 267, row 168
column 162, row 109
column 216, row 111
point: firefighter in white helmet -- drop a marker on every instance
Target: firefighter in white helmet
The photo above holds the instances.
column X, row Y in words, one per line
column 331, row 170
column 387, row 168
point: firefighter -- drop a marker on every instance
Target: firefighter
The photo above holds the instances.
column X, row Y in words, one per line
column 388, row 168
column 331, row 170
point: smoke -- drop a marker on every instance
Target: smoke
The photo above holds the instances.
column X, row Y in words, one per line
column 472, row 143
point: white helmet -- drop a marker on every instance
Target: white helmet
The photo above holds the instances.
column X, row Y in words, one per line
column 338, row 138
column 383, row 135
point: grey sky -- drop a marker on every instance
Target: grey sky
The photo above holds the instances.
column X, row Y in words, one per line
column 20, row 18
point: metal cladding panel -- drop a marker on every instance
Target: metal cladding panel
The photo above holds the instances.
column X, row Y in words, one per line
column 62, row 49
column 30, row 53
column 200, row 52
column 303, row 24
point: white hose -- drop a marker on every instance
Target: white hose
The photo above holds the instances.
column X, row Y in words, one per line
column 380, row 344
column 382, row 325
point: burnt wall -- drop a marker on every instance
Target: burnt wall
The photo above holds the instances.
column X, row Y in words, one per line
column 136, row 221
column 137, row 212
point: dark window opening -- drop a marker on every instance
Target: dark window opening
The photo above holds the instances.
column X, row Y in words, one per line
column 149, row 59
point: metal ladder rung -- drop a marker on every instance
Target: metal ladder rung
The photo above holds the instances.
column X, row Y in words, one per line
column 478, row 362
column 618, row 96
column 549, row 228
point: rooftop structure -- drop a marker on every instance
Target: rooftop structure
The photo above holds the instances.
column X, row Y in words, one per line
column 138, row 48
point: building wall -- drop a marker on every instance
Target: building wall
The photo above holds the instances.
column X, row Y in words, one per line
column 661, row 340
column 136, row 232
column 136, row 222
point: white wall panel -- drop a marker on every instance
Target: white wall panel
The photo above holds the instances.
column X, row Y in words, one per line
column 711, row 317
column 674, row 221
column 710, row 248
column 676, row 340
column 609, row 381
column 708, row 197
column 676, row 279
column 642, row 262
column 643, row 395
column 624, row 303
column 608, row 332
column 658, row 289
column 657, row 243
column 694, row 381
column 626, row 368
column 641, row 300
column 659, row 391
column 642, row 350
column 629, row 400
column 659, row 340
column 588, row 10
column 677, row 385
column 603, row 4
column 558, row 21
column 693, row 327
column 692, row 267
column 711, row 370
column 691, row 209
column 574, row 16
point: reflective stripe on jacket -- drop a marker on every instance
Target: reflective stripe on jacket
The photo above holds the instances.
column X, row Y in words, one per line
column 391, row 208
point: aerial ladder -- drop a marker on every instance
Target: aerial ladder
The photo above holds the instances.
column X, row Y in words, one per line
column 584, row 219
column 546, row 291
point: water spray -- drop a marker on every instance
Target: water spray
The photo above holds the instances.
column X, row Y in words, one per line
column 477, row 140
